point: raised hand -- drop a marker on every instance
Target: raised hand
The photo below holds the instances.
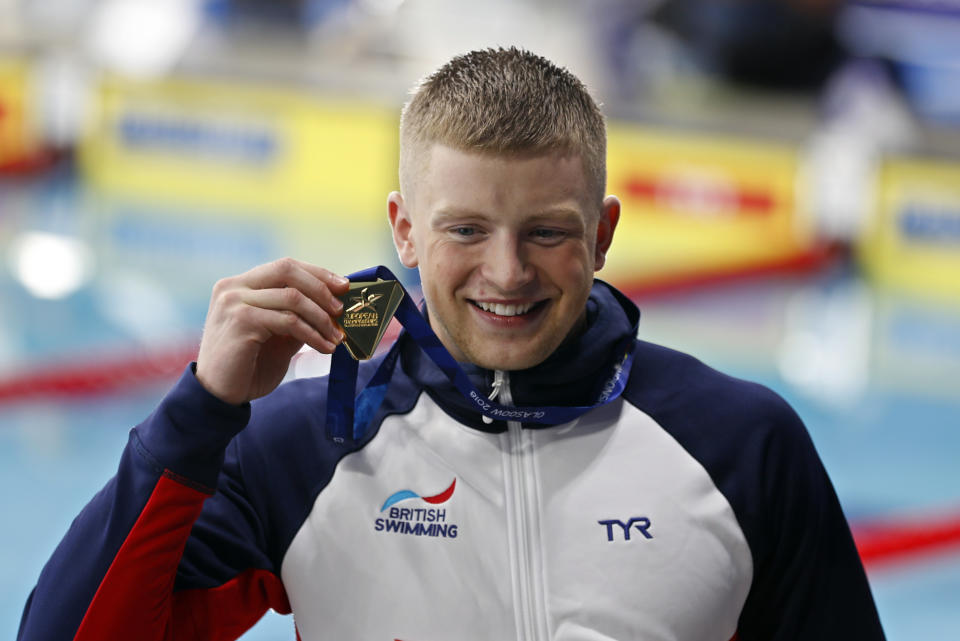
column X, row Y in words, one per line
column 258, row 320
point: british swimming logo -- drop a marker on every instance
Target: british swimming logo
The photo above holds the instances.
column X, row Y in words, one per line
column 417, row 521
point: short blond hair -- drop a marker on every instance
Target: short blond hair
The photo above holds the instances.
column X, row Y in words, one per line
column 504, row 102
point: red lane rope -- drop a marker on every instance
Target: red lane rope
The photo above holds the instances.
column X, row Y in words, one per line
column 98, row 374
column 880, row 543
column 806, row 262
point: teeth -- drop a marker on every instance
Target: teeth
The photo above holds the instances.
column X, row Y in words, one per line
column 505, row 310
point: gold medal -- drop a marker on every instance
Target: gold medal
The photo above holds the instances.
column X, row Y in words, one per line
column 367, row 309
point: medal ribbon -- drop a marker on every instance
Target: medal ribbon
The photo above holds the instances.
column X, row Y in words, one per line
column 347, row 415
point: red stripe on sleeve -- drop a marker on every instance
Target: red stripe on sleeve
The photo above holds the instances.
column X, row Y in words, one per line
column 133, row 600
column 226, row 612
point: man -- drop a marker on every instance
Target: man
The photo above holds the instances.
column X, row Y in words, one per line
column 679, row 504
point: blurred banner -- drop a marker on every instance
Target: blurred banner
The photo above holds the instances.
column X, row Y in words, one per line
column 242, row 149
column 913, row 240
column 696, row 204
column 18, row 141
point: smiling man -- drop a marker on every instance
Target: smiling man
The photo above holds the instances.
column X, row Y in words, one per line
column 507, row 246
column 650, row 497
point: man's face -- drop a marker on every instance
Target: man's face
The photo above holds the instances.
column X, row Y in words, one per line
column 507, row 248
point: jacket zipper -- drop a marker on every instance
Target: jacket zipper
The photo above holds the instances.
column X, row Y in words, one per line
column 522, row 523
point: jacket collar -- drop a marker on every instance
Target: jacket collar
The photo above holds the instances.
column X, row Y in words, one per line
column 573, row 375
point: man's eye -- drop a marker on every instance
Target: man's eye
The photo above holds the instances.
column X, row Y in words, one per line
column 464, row 231
column 547, row 234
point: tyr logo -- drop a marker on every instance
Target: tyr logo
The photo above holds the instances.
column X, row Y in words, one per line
column 641, row 523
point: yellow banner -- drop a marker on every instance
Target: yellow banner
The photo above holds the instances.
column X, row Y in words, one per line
column 696, row 205
column 17, row 134
column 242, row 148
column 913, row 241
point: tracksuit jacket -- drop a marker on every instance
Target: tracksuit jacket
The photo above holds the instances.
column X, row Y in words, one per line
column 693, row 507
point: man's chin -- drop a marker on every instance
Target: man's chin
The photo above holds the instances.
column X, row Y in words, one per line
column 509, row 361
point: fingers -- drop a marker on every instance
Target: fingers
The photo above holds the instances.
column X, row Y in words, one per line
column 302, row 297
column 317, row 283
column 294, row 310
column 267, row 323
column 258, row 320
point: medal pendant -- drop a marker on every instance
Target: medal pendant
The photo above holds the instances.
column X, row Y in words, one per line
column 367, row 309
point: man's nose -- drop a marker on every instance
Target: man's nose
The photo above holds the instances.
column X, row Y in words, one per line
column 506, row 265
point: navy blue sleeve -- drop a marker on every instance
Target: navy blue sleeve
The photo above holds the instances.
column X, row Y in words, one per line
column 112, row 575
column 808, row 582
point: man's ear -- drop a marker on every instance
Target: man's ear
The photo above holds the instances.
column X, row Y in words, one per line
column 606, row 225
column 402, row 226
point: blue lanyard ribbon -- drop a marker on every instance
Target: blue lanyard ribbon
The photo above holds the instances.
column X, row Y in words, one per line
column 349, row 415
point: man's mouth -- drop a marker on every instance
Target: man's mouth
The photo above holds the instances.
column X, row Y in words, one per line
column 508, row 309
